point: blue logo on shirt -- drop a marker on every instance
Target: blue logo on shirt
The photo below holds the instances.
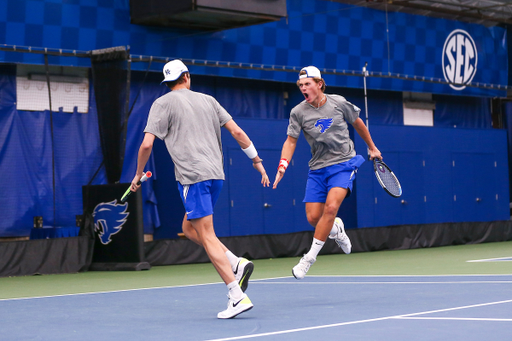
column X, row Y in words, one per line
column 323, row 124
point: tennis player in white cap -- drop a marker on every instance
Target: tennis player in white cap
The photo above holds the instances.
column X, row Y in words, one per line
column 190, row 125
column 324, row 119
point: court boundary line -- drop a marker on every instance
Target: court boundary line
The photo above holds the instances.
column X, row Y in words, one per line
column 455, row 319
column 128, row 290
column 357, row 322
column 441, row 275
column 500, row 259
column 255, row 280
column 389, row 282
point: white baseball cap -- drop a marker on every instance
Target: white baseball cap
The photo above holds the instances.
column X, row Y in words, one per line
column 173, row 70
column 311, row 72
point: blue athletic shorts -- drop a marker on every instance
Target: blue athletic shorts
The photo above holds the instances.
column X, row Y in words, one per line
column 200, row 198
column 321, row 181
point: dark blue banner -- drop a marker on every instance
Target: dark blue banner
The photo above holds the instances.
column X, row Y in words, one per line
column 404, row 52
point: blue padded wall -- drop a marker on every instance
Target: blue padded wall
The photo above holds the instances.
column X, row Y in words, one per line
column 447, row 175
column 443, row 172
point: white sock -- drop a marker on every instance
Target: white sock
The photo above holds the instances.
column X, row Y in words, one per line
column 316, row 246
column 234, row 291
column 233, row 260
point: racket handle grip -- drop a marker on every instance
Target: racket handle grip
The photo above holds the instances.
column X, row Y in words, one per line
column 143, row 178
column 126, row 195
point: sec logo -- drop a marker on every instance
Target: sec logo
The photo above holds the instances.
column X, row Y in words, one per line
column 460, row 59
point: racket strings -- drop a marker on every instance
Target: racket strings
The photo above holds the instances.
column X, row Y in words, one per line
column 390, row 182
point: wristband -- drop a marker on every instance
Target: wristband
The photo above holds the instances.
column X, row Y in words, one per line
column 250, row 151
column 283, row 163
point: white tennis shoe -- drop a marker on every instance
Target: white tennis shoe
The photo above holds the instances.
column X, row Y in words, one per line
column 339, row 236
column 299, row 271
column 236, row 307
column 243, row 271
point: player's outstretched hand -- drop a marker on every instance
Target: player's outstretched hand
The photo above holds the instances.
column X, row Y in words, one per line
column 264, row 177
column 279, row 176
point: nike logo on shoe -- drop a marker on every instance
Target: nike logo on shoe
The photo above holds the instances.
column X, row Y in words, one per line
column 236, row 308
column 235, row 304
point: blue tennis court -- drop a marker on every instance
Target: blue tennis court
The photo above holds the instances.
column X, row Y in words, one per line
column 468, row 307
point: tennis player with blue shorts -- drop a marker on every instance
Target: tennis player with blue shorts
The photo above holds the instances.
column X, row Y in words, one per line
column 190, row 125
column 323, row 119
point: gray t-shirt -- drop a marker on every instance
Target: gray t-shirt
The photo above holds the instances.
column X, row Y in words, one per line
column 189, row 123
column 325, row 129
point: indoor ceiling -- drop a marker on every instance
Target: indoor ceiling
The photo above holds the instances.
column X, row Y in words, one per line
column 484, row 12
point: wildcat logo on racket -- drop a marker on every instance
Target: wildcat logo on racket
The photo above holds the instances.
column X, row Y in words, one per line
column 109, row 218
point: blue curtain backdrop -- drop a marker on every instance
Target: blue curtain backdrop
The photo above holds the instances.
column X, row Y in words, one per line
column 26, row 149
column 26, row 162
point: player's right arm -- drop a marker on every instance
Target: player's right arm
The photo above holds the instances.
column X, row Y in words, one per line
column 363, row 131
column 286, row 156
column 144, row 152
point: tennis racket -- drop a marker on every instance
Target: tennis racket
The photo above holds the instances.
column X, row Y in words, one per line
column 387, row 179
column 144, row 177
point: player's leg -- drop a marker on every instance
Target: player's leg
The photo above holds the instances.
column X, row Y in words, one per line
column 322, row 200
column 316, row 193
column 242, row 268
column 189, row 231
column 238, row 301
column 213, row 247
column 321, row 216
column 342, row 179
column 199, row 200
column 332, row 204
column 314, row 212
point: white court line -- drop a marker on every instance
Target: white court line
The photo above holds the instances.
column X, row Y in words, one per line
column 103, row 292
column 454, row 319
column 127, row 290
column 502, row 259
column 262, row 281
column 356, row 322
column 386, row 282
column 409, row 276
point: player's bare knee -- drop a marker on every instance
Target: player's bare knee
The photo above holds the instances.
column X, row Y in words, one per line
column 330, row 211
column 313, row 219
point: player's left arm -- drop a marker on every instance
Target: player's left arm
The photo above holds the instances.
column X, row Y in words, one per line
column 363, row 131
column 247, row 146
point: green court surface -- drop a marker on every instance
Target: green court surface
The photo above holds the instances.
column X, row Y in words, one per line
column 447, row 260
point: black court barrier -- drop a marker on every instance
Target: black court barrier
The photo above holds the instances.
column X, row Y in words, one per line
column 118, row 233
